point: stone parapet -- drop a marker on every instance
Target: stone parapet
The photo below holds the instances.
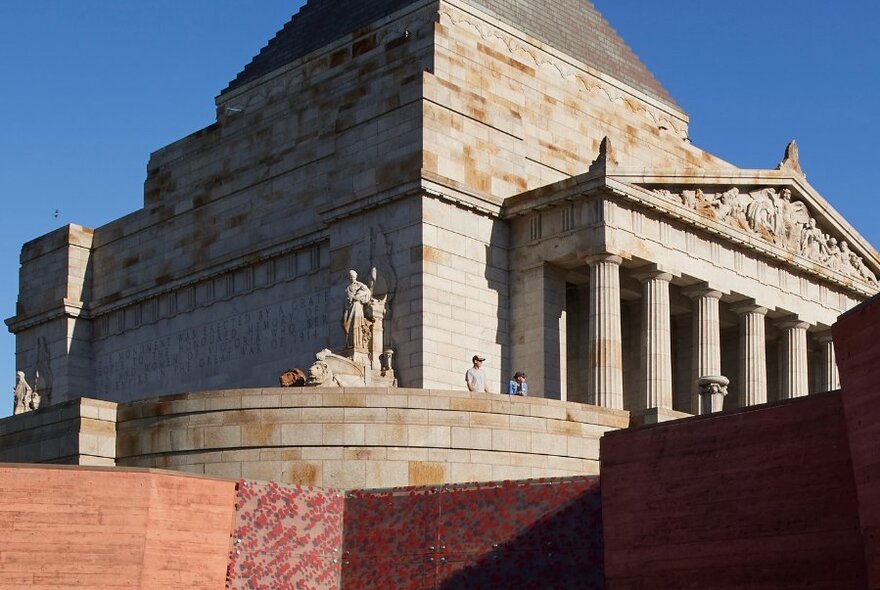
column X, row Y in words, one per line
column 78, row 432
column 364, row 437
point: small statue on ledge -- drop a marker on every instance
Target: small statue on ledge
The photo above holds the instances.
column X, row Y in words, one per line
column 357, row 317
column 363, row 362
column 26, row 399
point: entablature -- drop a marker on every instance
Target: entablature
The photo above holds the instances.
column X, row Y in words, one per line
column 774, row 213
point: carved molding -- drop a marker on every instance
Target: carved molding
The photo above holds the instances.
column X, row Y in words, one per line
column 775, row 217
column 203, row 292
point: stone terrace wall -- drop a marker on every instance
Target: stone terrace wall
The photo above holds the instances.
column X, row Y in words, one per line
column 78, row 432
column 112, row 528
column 757, row 498
column 361, row 437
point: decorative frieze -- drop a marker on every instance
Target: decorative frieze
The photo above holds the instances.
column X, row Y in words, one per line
column 773, row 216
column 543, row 60
column 205, row 292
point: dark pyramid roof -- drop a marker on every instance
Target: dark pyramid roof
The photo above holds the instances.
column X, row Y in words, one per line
column 573, row 27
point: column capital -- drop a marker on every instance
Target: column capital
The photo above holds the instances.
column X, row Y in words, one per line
column 603, row 257
column 748, row 307
column 825, row 337
column 702, row 290
column 651, row 272
column 791, row 322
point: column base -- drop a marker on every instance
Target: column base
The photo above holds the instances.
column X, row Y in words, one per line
column 655, row 416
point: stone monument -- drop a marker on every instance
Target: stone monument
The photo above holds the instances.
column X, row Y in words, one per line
column 463, row 148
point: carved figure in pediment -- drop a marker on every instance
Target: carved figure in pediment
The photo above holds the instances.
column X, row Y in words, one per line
column 777, row 218
column 813, row 241
column 794, row 216
column 721, row 203
column 859, row 266
column 834, row 254
column 689, row 198
column 761, row 213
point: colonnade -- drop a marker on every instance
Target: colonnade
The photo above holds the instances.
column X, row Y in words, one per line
column 656, row 388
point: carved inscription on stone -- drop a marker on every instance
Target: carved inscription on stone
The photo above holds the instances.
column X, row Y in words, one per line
column 224, row 346
column 776, row 218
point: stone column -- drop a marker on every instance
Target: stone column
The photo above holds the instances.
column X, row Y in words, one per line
column 793, row 370
column 829, row 375
column 706, row 340
column 656, row 352
column 605, row 342
column 752, row 354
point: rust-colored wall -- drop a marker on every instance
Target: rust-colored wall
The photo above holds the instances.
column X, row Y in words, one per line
column 75, row 527
column 759, row 498
column 532, row 534
column 856, row 335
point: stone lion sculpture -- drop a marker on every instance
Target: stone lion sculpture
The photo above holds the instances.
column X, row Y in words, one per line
column 332, row 370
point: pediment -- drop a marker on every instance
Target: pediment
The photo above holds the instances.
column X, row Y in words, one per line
column 773, row 210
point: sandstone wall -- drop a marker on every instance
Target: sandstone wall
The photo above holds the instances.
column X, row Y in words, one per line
column 77, row 432
column 355, row 438
column 504, row 113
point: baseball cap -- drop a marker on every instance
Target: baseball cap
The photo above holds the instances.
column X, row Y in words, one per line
column 477, row 358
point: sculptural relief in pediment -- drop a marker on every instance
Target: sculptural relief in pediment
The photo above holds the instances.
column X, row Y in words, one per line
column 775, row 217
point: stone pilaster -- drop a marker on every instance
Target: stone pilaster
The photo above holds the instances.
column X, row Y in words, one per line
column 793, row 370
column 656, row 347
column 830, row 377
column 752, row 354
column 539, row 330
column 706, row 340
column 605, row 345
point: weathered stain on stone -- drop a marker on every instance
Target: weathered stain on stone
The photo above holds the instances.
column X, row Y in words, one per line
column 302, row 473
column 422, row 473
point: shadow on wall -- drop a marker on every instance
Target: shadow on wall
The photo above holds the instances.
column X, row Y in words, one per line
column 563, row 550
column 497, row 274
column 526, row 534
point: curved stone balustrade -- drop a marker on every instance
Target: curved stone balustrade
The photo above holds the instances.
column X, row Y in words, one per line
column 363, row 437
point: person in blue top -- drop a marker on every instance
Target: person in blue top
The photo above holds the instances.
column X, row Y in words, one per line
column 518, row 385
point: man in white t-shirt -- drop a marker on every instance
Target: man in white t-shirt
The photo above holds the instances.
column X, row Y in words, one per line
column 475, row 376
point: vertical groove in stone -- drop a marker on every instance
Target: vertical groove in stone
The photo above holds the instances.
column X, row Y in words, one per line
column 794, row 374
column 752, row 355
column 830, row 374
column 656, row 348
column 707, row 340
column 605, row 350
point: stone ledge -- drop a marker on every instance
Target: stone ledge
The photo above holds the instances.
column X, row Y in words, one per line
column 363, row 437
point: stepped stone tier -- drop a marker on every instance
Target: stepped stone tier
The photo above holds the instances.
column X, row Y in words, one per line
column 524, row 188
column 340, row 437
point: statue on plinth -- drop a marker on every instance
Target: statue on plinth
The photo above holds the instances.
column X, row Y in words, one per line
column 357, row 314
column 26, row 399
column 363, row 361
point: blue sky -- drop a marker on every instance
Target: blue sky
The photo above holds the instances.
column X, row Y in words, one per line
column 90, row 87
